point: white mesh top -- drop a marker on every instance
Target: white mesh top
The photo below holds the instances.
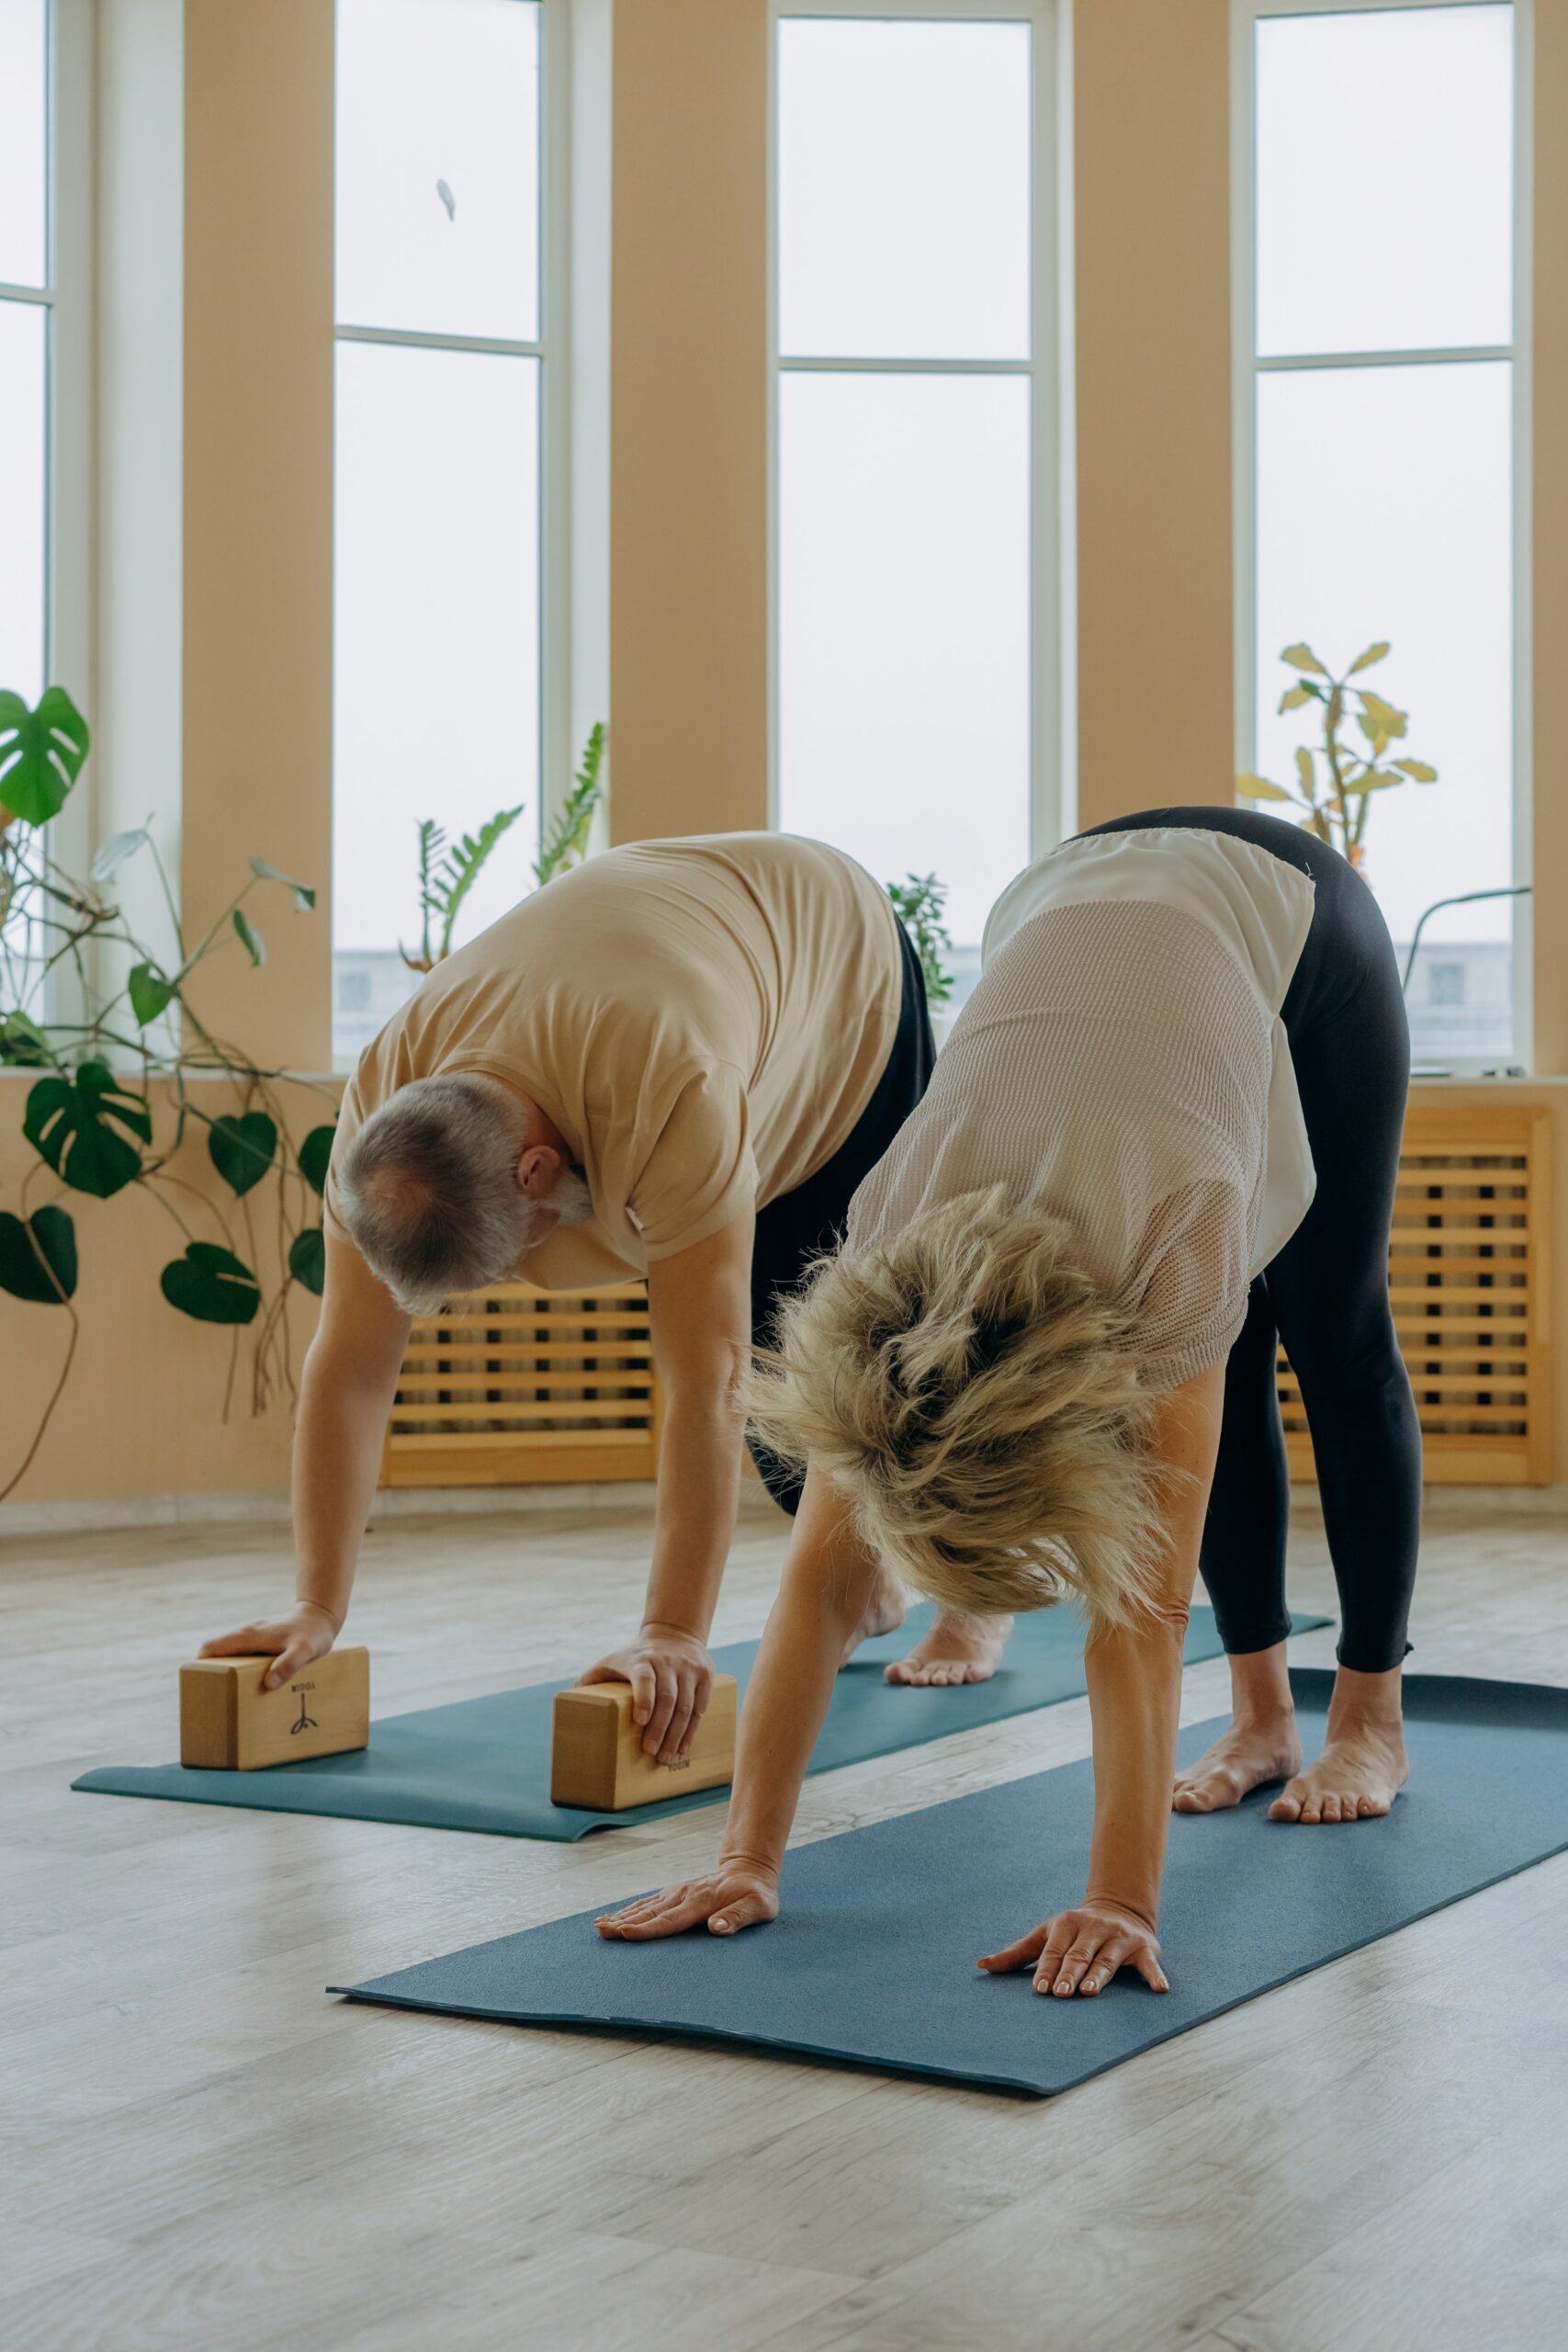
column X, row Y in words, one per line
column 1121, row 1064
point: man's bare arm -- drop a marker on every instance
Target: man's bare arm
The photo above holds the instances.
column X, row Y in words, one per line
column 345, row 1394
column 700, row 1310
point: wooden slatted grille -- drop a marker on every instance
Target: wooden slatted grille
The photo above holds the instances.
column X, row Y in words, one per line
column 523, row 1387
column 1470, row 1278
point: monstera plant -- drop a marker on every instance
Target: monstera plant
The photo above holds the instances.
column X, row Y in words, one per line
column 105, row 1022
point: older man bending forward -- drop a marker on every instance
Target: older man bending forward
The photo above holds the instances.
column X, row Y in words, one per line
column 678, row 1062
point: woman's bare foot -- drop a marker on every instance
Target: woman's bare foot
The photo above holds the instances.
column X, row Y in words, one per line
column 1363, row 1765
column 1246, row 1757
column 957, row 1649
column 1356, row 1778
column 884, row 1613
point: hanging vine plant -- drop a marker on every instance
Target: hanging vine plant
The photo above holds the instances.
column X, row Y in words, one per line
column 111, row 1104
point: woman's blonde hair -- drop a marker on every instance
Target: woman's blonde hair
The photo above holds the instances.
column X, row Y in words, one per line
column 973, row 1390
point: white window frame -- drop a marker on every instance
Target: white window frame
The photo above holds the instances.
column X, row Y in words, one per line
column 1247, row 367
column 66, row 296
column 1053, row 703
column 552, row 348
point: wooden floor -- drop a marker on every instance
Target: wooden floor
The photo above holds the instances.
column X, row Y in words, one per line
column 202, row 2150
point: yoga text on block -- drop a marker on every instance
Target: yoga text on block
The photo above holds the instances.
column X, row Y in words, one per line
column 596, row 1755
column 229, row 1724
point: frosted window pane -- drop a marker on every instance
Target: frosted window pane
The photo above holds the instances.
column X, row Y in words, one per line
column 904, row 190
column 1384, row 146
column 24, row 147
column 1414, row 545
column 903, row 625
column 439, row 166
column 23, row 326
column 436, row 704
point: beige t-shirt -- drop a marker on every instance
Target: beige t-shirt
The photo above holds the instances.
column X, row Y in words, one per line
column 703, row 1020
column 1121, row 1065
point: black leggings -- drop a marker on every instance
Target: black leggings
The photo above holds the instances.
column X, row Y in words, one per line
column 794, row 1228
column 1325, row 1296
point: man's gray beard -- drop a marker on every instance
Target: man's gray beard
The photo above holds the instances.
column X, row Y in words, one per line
column 570, row 1198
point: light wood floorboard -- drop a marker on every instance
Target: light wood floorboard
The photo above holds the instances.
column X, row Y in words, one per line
column 198, row 2147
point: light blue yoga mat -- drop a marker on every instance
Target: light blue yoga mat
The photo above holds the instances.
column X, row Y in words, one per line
column 872, row 1958
column 485, row 1763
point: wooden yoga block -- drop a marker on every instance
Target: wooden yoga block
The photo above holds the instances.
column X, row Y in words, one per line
column 229, row 1724
column 596, row 1759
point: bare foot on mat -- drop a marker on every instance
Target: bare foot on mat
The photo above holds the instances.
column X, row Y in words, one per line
column 957, row 1649
column 1244, row 1759
column 884, row 1613
column 1356, row 1778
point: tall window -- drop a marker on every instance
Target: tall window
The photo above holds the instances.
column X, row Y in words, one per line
column 1380, row 495
column 441, row 346
column 26, row 297
column 915, row 683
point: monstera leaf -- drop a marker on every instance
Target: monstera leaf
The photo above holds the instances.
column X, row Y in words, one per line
column 48, row 1234
column 315, row 1156
column 308, row 1260
column 148, row 992
column 116, row 850
column 23, row 1042
column 42, row 752
column 211, row 1285
column 73, row 1124
column 242, row 1149
column 253, row 943
column 304, row 892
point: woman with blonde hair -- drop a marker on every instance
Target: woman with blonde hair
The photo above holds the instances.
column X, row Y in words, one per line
column 1163, row 1136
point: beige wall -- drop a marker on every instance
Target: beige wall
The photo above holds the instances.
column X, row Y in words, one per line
column 257, row 700
column 1152, row 262
column 689, row 418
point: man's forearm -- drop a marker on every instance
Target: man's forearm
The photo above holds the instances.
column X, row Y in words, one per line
column 337, row 1455
column 699, row 1482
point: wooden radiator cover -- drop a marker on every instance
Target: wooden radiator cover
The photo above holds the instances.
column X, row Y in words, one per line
column 1469, row 1275
column 523, row 1386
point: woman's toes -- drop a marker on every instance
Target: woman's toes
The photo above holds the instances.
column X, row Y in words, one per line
column 1330, row 1809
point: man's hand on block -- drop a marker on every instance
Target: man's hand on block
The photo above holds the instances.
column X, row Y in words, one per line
column 598, row 1759
column 305, row 1632
column 671, row 1675
column 230, row 1722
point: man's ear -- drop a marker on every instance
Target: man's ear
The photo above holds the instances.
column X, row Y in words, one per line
column 537, row 1171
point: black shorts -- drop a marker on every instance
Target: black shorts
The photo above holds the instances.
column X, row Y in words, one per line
column 798, row 1225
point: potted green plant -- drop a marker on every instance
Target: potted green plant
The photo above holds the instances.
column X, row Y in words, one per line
column 111, row 1100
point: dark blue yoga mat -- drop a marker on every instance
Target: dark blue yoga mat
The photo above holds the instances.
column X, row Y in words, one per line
column 485, row 1763
column 872, row 1958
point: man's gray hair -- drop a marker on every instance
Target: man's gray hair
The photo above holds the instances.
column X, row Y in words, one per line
column 429, row 1189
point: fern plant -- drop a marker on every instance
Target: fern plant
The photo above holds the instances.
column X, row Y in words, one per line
column 568, row 843
column 447, row 875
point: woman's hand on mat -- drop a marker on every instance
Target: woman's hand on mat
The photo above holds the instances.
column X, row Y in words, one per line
column 736, row 1896
column 1079, row 1951
column 305, row 1632
column 671, row 1677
